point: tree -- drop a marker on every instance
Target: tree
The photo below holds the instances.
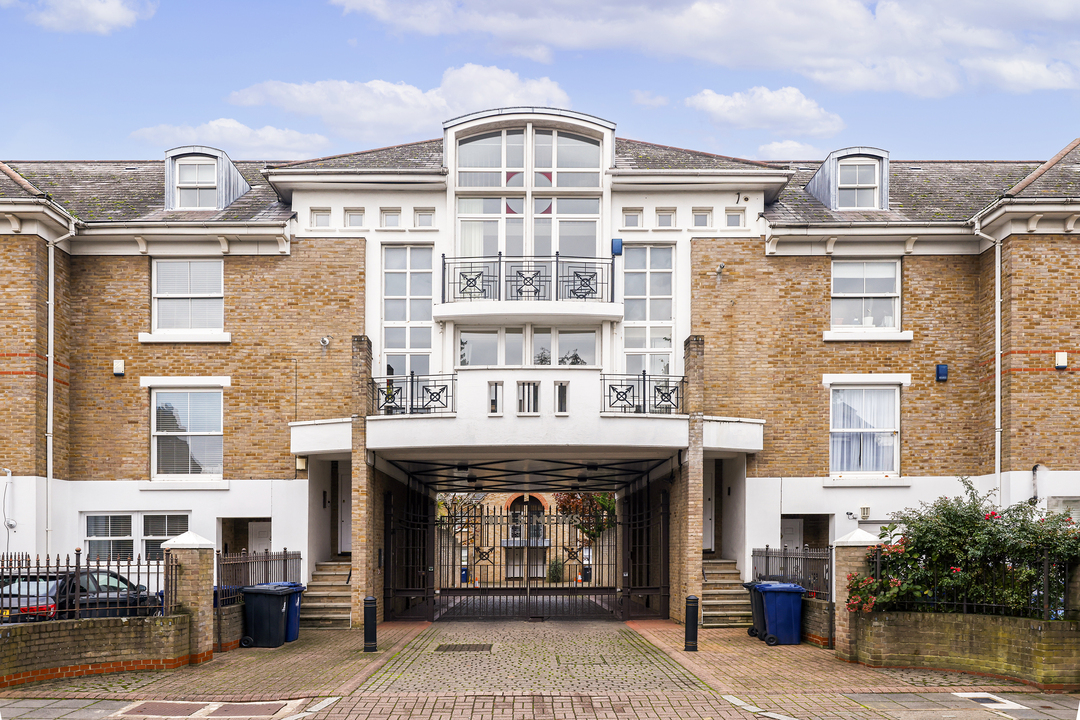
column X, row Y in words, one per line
column 595, row 511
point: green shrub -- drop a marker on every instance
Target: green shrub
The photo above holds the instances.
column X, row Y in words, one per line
column 555, row 570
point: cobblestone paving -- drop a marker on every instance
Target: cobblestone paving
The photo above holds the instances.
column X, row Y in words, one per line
column 599, row 658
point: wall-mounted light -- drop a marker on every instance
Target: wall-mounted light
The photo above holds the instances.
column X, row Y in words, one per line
column 301, row 462
column 325, row 340
column 850, row 515
column 720, row 269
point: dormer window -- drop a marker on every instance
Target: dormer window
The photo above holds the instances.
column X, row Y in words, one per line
column 858, row 183
column 558, row 159
column 196, row 183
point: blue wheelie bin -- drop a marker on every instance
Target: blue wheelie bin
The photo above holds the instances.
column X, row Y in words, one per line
column 292, row 614
column 783, row 613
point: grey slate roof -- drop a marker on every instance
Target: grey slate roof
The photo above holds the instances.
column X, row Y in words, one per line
column 14, row 186
column 423, row 155
column 637, row 155
column 938, row 191
column 1057, row 177
column 103, row 191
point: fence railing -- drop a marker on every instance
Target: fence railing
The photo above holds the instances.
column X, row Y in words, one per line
column 414, row 395
column 1018, row 588
column 238, row 570
column 644, row 393
column 806, row 566
column 555, row 277
column 38, row 589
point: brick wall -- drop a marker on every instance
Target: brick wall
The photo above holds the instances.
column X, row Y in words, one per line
column 817, row 622
column 1042, row 653
column 228, row 627
column 31, row 652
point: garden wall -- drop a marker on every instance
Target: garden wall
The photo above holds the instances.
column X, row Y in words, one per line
column 1044, row 653
column 817, row 622
column 228, row 627
column 31, row 652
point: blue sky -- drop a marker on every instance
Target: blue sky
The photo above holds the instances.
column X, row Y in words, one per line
column 770, row 79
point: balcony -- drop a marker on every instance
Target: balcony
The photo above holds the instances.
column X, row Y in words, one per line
column 643, row 394
column 540, row 288
column 414, row 395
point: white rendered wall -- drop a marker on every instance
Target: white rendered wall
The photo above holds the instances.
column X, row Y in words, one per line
column 318, row 516
column 731, row 492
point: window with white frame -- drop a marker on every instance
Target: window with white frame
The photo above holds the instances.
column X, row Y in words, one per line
column 196, row 183
column 354, row 217
column 391, row 217
column 116, row 536
column 631, row 217
column 424, row 217
column 864, row 429
column 858, row 184
column 528, row 345
column 492, row 160
column 648, row 303
column 559, row 159
column 187, row 432
column 563, row 159
column 665, row 218
column 734, row 218
column 866, row 295
column 407, row 297
column 188, row 295
column 320, row 217
column 702, row 217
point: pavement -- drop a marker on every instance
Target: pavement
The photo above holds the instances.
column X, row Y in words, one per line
column 515, row 670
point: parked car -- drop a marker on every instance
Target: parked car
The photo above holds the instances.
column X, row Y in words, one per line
column 30, row 597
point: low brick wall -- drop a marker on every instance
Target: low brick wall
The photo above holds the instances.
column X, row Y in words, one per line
column 817, row 622
column 31, row 652
column 1041, row 653
column 228, row 627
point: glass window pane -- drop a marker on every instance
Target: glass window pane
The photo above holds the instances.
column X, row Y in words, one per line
column 173, row 314
column 631, row 220
column 420, row 257
column 579, row 179
column 661, row 258
column 849, row 175
column 421, row 283
column 659, row 309
column 395, row 365
column 207, row 313
column 470, row 206
column 579, row 206
column 395, row 337
column 394, row 310
column 660, row 337
column 866, row 197
column 187, row 173
column 173, row 278
column 542, row 179
column 396, row 258
column 880, row 277
column 577, row 238
column 734, row 219
column 207, row 174
column 420, row 364
column 171, row 412
column 635, row 257
column 420, row 337
column 701, row 220
column 515, row 206
column 542, row 148
column 207, row 197
column 542, row 346
column 492, row 206
column 515, row 346
column 395, row 284
column 515, row 237
column 515, row 148
column 542, row 206
column 515, row 179
column 204, row 410
column 659, row 364
column 577, row 152
column 206, row 276
column 665, row 219
column 660, row 283
column 847, row 277
column 634, row 309
column 355, row 219
column 634, row 284
column 847, row 311
column 483, row 151
column 577, row 347
column 479, row 179
column 847, row 198
column 478, row 347
column 867, row 174
column 391, row 219
column 542, row 237
column 420, row 310
column 634, row 337
column 189, row 197
column 206, row 454
column 635, row 364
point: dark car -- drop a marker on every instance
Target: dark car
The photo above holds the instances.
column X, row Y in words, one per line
column 55, row 595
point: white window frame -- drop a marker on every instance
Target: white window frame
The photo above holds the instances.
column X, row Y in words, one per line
column 707, row 213
column 189, row 385
column 419, row 213
column 495, row 398
column 410, row 323
column 562, row 387
column 137, row 536
column 635, row 213
column 523, row 401
column 384, row 219
column 351, row 213
column 175, row 335
column 839, row 333
column 502, row 169
column 876, row 186
column 739, row 213
column 318, row 214
column 863, row 381
column 196, row 185
column 895, row 430
column 666, row 212
column 649, row 324
column 528, row 353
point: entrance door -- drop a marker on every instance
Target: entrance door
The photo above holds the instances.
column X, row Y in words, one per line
column 344, row 512
column 258, row 537
column 708, row 514
column 791, row 532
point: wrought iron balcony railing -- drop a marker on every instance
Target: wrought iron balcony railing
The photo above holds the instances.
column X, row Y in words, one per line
column 553, row 277
column 414, row 395
column 643, row 394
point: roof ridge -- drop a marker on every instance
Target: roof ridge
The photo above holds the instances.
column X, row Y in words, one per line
column 1039, row 171
column 349, row 154
column 19, row 180
column 702, row 152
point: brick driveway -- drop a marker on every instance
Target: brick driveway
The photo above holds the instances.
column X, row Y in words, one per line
column 553, row 670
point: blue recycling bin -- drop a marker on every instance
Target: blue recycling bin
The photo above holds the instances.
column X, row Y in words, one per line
column 464, row 574
column 783, row 612
column 292, row 620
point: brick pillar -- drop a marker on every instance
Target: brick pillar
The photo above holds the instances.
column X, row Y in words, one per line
column 687, row 490
column 849, row 556
column 195, row 591
column 363, row 543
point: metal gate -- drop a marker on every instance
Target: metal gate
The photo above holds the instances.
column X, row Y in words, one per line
column 645, row 548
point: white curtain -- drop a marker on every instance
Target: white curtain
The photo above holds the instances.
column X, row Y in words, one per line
column 863, row 437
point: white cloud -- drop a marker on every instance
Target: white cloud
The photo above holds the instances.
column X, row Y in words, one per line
column 785, row 110
column 238, row 140
column 1021, row 75
column 93, row 16
column 921, row 47
column 789, row 150
column 381, row 111
column 646, row 98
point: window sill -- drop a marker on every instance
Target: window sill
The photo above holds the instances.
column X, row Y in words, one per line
column 186, row 337
column 867, row 336
column 321, row 229
column 633, row 229
column 390, row 229
column 535, row 414
column 424, row 229
column 667, row 229
column 870, row 480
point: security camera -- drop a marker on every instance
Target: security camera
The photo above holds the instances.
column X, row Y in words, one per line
column 326, row 340
column 721, row 266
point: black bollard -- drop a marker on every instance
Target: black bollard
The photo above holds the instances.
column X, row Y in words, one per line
column 691, row 623
column 370, row 644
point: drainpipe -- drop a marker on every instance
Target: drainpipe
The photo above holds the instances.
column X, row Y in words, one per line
column 51, row 372
column 997, row 355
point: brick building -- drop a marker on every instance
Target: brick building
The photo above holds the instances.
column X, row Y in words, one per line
column 302, row 355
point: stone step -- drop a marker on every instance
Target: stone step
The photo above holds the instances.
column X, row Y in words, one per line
column 325, row 622
column 725, row 592
column 324, row 607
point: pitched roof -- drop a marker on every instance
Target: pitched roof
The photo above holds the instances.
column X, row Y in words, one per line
column 919, row 191
column 116, row 191
column 638, row 155
column 1057, row 177
column 13, row 185
column 423, row 155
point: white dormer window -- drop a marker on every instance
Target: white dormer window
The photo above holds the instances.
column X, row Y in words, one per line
column 196, row 183
column 858, row 184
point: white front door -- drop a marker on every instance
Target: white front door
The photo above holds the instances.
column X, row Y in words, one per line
column 708, row 514
column 344, row 513
column 791, row 532
column 258, row 537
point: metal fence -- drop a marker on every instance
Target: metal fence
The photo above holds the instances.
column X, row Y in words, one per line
column 1018, row 588
column 39, row 589
column 809, row 567
column 554, row 277
column 238, row 570
column 414, row 395
column 643, row 394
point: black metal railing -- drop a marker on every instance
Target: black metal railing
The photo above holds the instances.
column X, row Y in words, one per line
column 806, row 566
column 238, row 570
column 643, row 394
column 414, row 395
column 555, row 277
column 1033, row 588
column 33, row 589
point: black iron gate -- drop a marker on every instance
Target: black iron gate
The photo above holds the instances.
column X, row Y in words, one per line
column 468, row 560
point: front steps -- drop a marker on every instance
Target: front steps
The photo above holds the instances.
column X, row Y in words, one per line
column 724, row 601
column 326, row 602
